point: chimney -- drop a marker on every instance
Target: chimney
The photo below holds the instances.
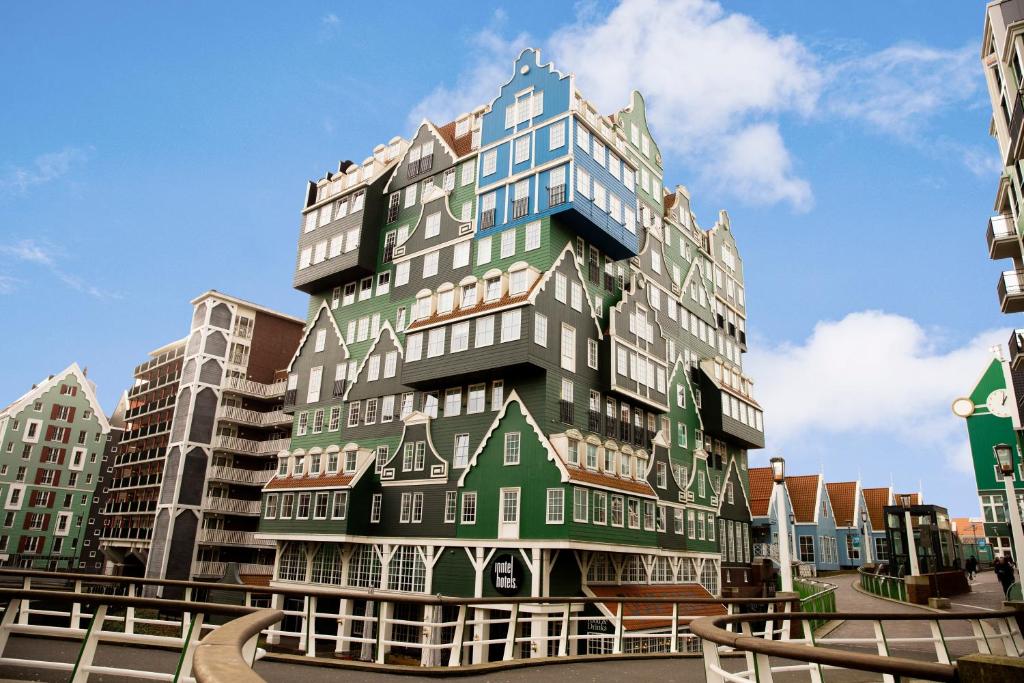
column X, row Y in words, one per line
column 85, row 371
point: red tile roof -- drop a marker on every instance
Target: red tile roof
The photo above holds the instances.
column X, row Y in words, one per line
column 585, row 476
column 461, row 145
column 843, row 495
column 915, row 498
column 968, row 529
column 803, row 496
column 876, row 500
column 760, row 490
column 321, row 481
column 661, row 613
column 479, row 308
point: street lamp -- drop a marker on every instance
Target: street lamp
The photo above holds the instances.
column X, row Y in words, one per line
column 866, row 539
column 906, row 500
column 785, row 565
column 1004, row 460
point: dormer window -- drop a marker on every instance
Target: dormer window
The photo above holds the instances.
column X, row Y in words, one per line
column 492, row 289
column 468, row 296
column 517, row 282
column 350, row 461
column 300, row 466
column 445, row 301
column 462, row 127
column 423, row 307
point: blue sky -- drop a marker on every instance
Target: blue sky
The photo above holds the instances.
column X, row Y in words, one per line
column 149, row 153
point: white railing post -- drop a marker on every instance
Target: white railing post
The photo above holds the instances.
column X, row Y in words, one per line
column 13, row 607
column 617, row 645
column 674, row 645
column 941, row 653
column 309, row 626
column 563, row 644
column 747, row 654
column 712, row 662
column 129, row 612
column 26, row 584
column 385, row 628
column 276, row 602
column 883, row 647
column 763, row 668
column 510, row 636
column 188, row 648
column 980, row 638
column 344, row 625
column 481, row 631
column 186, row 617
column 455, row 657
column 80, row 672
column 76, row 608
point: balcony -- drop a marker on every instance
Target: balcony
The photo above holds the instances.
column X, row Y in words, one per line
column 150, row 407
column 566, row 412
column 129, row 507
column 233, row 537
column 1016, row 345
column 520, row 207
column 216, row 569
column 231, row 506
column 146, row 432
column 597, row 227
column 237, row 475
column 159, row 360
column 487, row 219
column 556, row 195
column 1011, row 291
column 594, row 421
column 1016, row 123
column 290, row 396
column 126, row 533
column 1002, row 237
column 248, row 387
column 162, row 381
column 237, row 444
column 255, row 418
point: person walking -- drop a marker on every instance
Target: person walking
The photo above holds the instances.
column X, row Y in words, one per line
column 1004, row 573
column 971, row 567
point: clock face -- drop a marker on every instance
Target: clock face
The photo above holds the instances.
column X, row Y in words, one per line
column 998, row 403
column 963, row 407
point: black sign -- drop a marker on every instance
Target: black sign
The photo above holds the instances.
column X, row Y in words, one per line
column 507, row 575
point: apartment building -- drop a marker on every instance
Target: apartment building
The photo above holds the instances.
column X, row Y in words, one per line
column 523, row 358
column 53, row 456
column 203, row 428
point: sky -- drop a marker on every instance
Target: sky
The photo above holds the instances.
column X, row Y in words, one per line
column 151, row 152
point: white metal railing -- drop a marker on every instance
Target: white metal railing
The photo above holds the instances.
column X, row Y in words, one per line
column 250, row 446
column 1002, row 226
column 240, row 476
column 254, row 417
column 769, row 550
column 217, row 569
column 252, row 388
column 1013, row 281
column 231, row 505
column 232, row 537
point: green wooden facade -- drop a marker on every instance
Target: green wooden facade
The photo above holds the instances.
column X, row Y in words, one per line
column 499, row 384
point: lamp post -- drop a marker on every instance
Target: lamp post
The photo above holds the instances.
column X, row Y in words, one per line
column 785, row 565
column 905, row 501
column 1004, row 459
column 866, row 539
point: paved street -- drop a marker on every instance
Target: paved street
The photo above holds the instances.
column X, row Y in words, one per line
column 986, row 595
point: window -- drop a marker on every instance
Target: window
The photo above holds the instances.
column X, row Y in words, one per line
column 460, row 337
column 450, row 498
column 616, row 510
column 475, row 403
column 468, row 172
column 600, row 507
column 522, row 149
column 633, row 513
column 532, row 236
column 469, row 507
column 452, row 402
column 583, row 183
column 413, row 347
column 807, row 549
column 468, row 299
column 320, row 506
column 517, row 282
column 406, row 510
column 540, row 329
column 591, row 456
column 497, row 394
column 556, row 506
column 373, row 368
column 432, row 227
column 490, row 162
column 430, row 264
column 582, row 137
column 510, row 325
column 271, row 509
column 662, row 475
column 580, row 505
column 568, row 348
column 318, row 421
column 484, row 331
column 353, row 414
column 560, row 287
column 557, row 135
column 592, row 353
column 435, row 342
column 302, row 509
column 512, row 448
column 483, row 250
column 313, row 390
column 460, row 258
column 402, row 273
column 461, row 457
column 492, row 289
column 508, row 243
column 375, row 505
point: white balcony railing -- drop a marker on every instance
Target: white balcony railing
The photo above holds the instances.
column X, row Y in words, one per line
column 241, row 476
column 206, row 568
column 1002, row 226
column 232, row 537
column 232, row 506
column 250, row 446
column 255, row 417
column 248, row 386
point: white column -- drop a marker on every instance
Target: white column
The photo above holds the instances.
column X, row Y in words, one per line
column 1015, row 523
column 785, row 564
column 915, row 570
column 481, row 632
column 868, row 541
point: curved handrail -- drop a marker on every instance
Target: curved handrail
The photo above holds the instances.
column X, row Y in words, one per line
column 126, row 601
column 221, row 656
column 711, row 628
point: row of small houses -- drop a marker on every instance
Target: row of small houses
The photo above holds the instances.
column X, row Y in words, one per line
column 828, row 522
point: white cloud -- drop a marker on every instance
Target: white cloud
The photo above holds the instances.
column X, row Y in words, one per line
column 330, row 20
column 44, row 168
column 756, row 164
column 901, row 89
column 45, row 255
column 871, row 373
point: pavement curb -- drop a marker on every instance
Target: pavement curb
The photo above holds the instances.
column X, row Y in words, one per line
column 855, row 585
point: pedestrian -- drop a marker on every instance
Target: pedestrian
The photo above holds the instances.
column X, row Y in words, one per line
column 971, row 567
column 1004, row 573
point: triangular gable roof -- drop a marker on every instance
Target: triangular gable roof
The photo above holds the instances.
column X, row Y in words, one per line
column 549, row 273
column 762, row 487
column 513, row 397
column 725, row 482
column 843, row 495
column 550, row 66
column 804, row 495
column 877, row 499
column 384, row 327
column 309, row 328
column 462, row 145
column 695, row 267
column 680, row 364
column 417, row 417
column 432, row 129
column 43, row 387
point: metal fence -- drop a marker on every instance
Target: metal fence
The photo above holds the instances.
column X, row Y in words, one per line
column 882, row 585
